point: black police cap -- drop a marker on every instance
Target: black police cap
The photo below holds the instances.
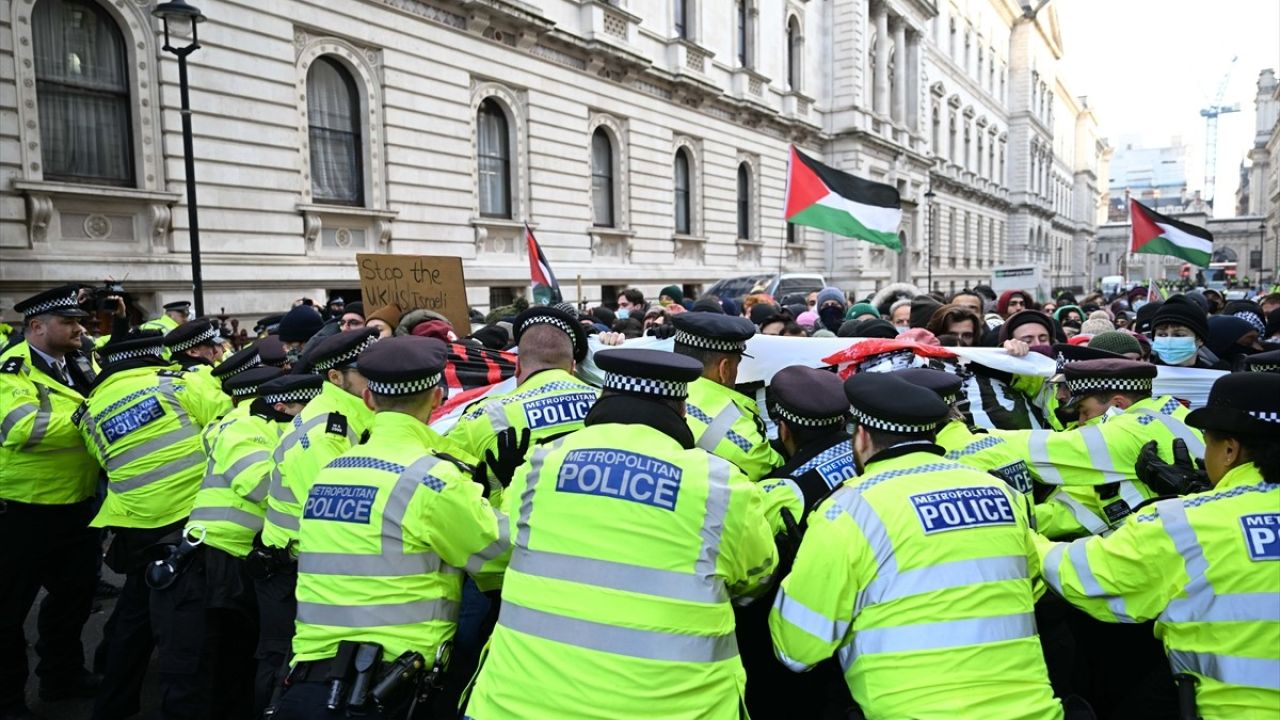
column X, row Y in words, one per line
column 179, row 306
column 1266, row 362
column 943, row 384
column 709, row 331
column 558, row 319
column 291, row 388
column 339, row 350
column 885, row 401
column 1111, row 375
column 1246, row 403
column 238, row 362
column 272, row 351
column 268, row 323
column 1066, row 353
column 403, row 365
column 61, row 300
column 807, row 396
column 648, row 373
column 245, row 384
column 144, row 343
column 192, row 333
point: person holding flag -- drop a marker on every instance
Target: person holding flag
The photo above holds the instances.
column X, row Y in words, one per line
column 543, row 286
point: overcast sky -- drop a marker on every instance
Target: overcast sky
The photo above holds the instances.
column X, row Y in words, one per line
column 1149, row 66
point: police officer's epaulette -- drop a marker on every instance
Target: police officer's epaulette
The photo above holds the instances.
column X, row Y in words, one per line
column 171, row 373
column 477, row 406
column 464, row 467
column 78, row 415
column 337, row 424
column 13, row 365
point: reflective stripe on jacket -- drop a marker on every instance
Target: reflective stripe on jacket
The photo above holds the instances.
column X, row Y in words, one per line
column 728, row 423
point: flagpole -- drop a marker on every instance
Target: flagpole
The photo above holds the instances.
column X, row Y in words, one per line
column 582, row 305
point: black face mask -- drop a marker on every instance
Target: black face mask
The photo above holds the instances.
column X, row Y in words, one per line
column 1066, row 416
column 832, row 317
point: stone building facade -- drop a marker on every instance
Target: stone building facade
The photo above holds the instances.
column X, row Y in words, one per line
column 644, row 142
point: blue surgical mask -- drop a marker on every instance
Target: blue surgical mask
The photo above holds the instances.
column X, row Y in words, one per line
column 1174, row 350
column 622, row 314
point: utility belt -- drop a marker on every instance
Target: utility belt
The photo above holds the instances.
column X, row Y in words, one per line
column 264, row 561
column 177, row 552
column 358, row 679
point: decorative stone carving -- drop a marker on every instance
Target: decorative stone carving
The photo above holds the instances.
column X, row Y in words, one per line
column 161, row 224
column 750, row 252
column 382, row 231
column 342, row 237
column 311, row 230
column 97, row 226
column 39, row 213
column 690, row 248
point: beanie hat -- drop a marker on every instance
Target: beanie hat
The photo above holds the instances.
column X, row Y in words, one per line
column 708, row 304
column 828, row 294
column 356, row 307
column 1093, row 326
column 438, row 329
column 1249, row 311
column 1142, row 318
column 807, row 319
column 922, row 308
column 492, row 337
column 389, row 314
column 862, row 308
column 1117, row 342
column 762, row 311
column 1024, row 317
column 1178, row 310
column 1199, row 299
column 672, row 291
column 869, row 328
column 1064, row 309
column 823, row 333
column 299, row 324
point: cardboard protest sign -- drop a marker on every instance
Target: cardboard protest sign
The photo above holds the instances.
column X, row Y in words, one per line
column 428, row 282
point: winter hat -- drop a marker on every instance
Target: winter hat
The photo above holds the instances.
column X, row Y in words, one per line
column 1023, row 317
column 823, row 333
column 869, row 328
column 672, row 291
column 389, row 314
column 1002, row 305
column 1094, row 326
column 1142, row 318
column 1199, row 299
column 437, row 329
column 761, row 311
column 1247, row 310
column 708, row 304
column 1116, row 342
column 1178, row 310
column 730, row 306
column 828, row 294
column 493, row 337
column 1225, row 332
column 807, row 319
column 863, row 308
column 413, row 318
column 1064, row 309
column 300, row 323
column 922, row 308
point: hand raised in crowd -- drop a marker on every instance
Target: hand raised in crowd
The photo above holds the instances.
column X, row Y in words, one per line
column 510, row 455
column 1016, row 348
column 611, row 338
column 1181, row 477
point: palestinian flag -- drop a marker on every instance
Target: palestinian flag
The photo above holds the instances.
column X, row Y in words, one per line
column 825, row 198
column 1162, row 235
column 542, row 282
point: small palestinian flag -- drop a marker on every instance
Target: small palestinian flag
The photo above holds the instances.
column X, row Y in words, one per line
column 542, row 282
column 1162, row 235
column 825, row 198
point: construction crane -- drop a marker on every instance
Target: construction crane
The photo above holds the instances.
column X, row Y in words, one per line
column 1210, row 115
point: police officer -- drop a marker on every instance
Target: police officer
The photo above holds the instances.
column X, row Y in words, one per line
column 917, row 573
column 812, row 416
column 237, row 362
column 325, row 429
column 196, row 348
column 142, row 423
column 386, row 530
column 1102, row 455
column 1202, row 566
column 723, row 420
column 1263, row 362
column 241, row 393
column 977, row 450
column 629, row 542
column 548, row 399
column 175, row 313
column 47, row 480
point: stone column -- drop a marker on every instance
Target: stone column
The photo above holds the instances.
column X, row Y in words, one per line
column 900, row 71
column 881, row 87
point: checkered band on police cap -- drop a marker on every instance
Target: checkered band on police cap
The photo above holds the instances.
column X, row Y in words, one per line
column 554, row 322
column 780, row 411
column 244, row 391
column 347, row 356
column 204, row 336
column 646, row 386
column 876, row 423
column 1265, row 416
column 226, row 372
column 296, row 395
column 1086, row 385
column 404, row 387
column 712, row 344
column 61, row 302
column 1263, row 367
column 115, row 357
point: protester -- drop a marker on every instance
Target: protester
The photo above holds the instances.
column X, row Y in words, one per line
column 957, row 320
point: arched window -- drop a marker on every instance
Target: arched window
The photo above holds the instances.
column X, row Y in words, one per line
column 795, row 53
column 493, row 154
column 337, row 150
column 744, row 201
column 683, row 184
column 602, row 179
column 82, row 84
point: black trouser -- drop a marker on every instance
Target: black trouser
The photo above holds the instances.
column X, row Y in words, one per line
column 130, row 644
column 49, row 546
column 205, row 626
column 277, row 607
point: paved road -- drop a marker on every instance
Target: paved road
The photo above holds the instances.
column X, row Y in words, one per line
column 83, row 709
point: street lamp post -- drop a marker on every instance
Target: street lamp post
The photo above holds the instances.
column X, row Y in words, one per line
column 928, row 263
column 184, row 16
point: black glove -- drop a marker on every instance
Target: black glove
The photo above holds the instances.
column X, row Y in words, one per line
column 480, row 475
column 510, row 455
column 662, row 331
column 1182, row 477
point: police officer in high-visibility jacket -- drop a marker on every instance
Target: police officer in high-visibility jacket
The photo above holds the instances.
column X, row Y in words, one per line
column 1203, row 566
column 242, row 361
column 386, row 531
column 1118, row 415
column 47, row 481
column 629, row 542
column 142, row 423
column 977, row 450
column 326, row 428
column 723, row 420
column 175, row 313
column 197, row 348
column 548, row 399
column 918, row 574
